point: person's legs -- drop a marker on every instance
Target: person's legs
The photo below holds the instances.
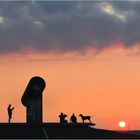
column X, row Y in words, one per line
column 9, row 118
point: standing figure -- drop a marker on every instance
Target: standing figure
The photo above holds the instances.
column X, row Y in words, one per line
column 73, row 118
column 9, row 110
column 62, row 117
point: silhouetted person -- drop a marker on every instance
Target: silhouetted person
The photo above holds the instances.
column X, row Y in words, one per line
column 73, row 118
column 62, row 117
column 10, row 109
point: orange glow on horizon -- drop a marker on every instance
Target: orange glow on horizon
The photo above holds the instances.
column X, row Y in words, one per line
column 105, row 85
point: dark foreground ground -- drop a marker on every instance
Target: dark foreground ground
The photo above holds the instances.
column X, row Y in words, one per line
column 59, row 131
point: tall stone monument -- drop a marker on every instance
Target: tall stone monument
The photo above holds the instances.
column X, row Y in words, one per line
column 32, row 100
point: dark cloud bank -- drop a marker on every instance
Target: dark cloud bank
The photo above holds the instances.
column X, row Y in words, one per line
column 68, row 26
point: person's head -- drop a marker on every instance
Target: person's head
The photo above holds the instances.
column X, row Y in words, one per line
column 9, row 105
column 80, row 115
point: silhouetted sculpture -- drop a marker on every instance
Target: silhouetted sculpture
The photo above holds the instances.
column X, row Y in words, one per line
column 85, row 118
column 62, row 117
column 32, row 100
column 73, row 118
column 9, row 110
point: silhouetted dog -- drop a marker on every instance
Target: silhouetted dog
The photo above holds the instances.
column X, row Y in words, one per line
column 85, row 118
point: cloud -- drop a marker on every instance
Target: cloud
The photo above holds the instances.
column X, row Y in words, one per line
column 67, row 26
column 108, row 8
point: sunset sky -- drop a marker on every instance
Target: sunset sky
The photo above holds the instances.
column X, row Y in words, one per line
column 87, row 52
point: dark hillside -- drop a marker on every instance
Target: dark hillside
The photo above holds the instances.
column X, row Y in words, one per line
column 56, row 130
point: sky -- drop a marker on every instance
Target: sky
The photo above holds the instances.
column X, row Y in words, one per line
column 88, row 52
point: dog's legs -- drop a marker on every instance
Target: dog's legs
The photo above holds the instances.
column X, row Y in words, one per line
column 90, row 120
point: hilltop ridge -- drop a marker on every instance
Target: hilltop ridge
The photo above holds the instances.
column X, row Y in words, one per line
column 58, row 131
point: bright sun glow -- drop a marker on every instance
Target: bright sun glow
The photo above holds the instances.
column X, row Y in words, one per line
column 122, row 124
